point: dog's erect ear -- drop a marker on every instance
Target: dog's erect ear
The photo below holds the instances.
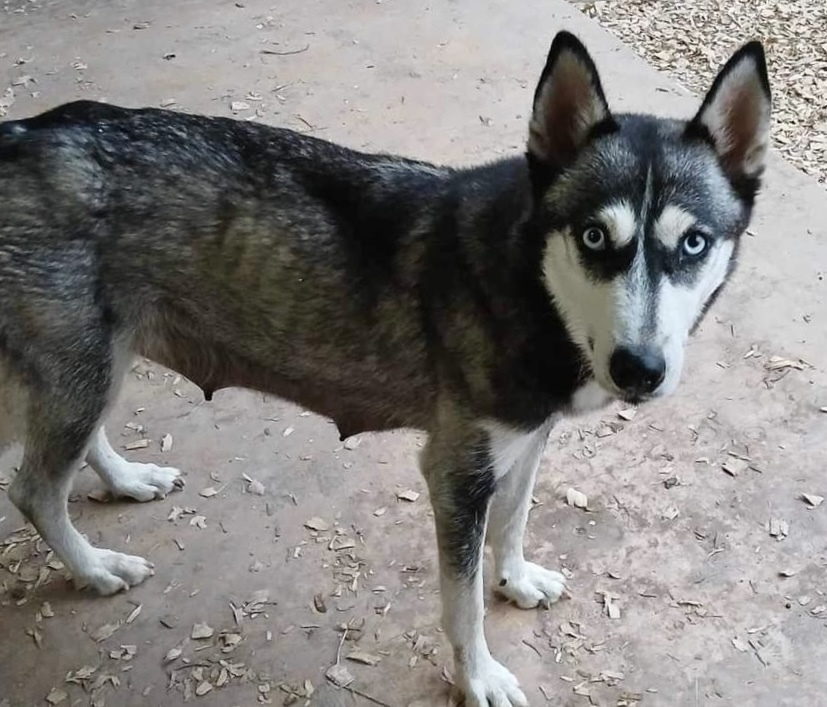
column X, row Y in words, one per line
column 569, row 104
column 735, row 116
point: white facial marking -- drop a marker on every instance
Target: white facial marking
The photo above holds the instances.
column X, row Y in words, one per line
column 672, row 223
column 679, row 307
column 621, row 221
column 630, row 310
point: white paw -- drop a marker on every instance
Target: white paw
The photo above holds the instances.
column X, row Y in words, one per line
column 109, row 572
column 531, row 586
column 146, row 482
column 492, row 685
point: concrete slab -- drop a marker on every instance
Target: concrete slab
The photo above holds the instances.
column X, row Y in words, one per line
column 705, row 617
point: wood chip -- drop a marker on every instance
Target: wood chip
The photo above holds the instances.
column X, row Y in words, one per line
column 734, row 466
column 779, row 528
column 317, row 524
column 628, row 414
column 166, row 443
column 103, row 632
column 255, row 487
column 577, row 499
column 811, row 498
column 137, row 444
column 364, row 658
column 691, row 40
column 134, row 614
column 352, row 442
column 409, row 496
column 208, row 492
column 46, row 610
column 203, row 688
column 56, row 696
column 201, row 631
column 777, row 363
column 339, row 675
column 237, row 106
column 740, row 645
column 379, row 512
column 173, row 654
column 199, row 522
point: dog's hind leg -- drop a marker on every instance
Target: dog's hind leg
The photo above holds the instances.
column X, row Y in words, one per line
column 528, row 585
column 142, row 482
column 71, row 380
column 460, row 471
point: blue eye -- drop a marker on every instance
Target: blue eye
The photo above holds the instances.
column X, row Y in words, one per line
column 694, row 244
column 594, row 238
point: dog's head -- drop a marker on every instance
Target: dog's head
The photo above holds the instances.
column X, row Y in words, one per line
column 641, row 216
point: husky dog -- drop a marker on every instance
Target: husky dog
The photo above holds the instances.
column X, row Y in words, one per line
column 478, row 304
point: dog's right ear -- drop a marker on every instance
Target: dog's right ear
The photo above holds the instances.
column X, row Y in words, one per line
column 569, row 104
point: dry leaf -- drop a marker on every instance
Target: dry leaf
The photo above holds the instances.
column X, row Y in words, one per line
column 576, row 498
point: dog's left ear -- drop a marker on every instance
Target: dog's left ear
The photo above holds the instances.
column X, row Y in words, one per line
column 569, row 104
column 735, row 116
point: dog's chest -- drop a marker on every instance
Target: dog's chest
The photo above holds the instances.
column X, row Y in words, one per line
column 588, row 398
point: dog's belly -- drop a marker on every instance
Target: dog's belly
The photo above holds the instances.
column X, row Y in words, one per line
column 358, row 398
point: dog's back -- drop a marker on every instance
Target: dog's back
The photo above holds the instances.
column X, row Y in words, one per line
column 235, row 253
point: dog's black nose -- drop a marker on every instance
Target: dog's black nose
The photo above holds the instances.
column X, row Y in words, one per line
column 637, row 370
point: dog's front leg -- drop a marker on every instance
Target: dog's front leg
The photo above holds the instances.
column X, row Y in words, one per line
column 528, row 585
column 459, row 468
column 142, row 482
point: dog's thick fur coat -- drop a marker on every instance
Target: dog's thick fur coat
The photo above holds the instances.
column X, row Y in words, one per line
column 476, row 304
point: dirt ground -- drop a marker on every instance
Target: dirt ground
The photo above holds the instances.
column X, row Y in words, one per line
column 713, row 609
